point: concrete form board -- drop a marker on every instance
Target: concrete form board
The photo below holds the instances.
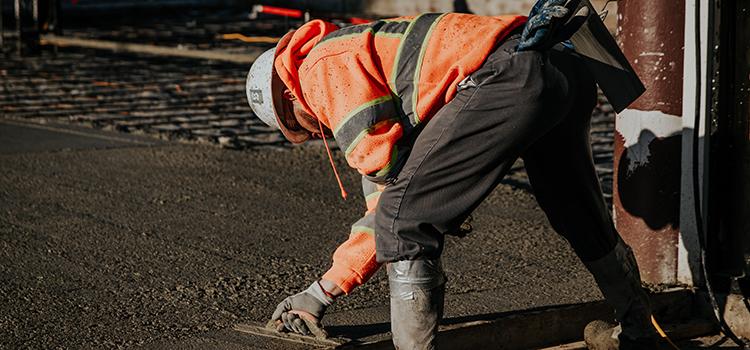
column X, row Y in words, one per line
column 524, row 329
column 647, row 140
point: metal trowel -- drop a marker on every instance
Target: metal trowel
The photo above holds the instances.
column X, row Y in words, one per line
column 274, row 329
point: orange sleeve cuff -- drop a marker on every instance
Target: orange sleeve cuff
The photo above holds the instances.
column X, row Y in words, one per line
column 353, row 262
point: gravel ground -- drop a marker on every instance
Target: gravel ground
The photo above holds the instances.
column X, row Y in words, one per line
column 109, row 240
column 126, row 244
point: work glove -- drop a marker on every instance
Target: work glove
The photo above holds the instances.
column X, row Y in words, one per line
column 549, row 23
column 301, row 313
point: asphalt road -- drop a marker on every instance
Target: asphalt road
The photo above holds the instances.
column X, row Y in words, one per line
column 109, row 240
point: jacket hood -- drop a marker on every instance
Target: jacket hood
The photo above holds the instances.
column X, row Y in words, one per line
column 292, row 56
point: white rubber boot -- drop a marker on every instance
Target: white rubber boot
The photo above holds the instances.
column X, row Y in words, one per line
column 417, row 292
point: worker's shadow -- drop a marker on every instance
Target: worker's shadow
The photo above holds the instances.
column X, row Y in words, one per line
column 359, row 331
column 368, row 330
column 648, row 180
column 649, row 183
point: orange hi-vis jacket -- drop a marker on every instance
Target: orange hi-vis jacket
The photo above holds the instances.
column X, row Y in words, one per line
column 373, row 85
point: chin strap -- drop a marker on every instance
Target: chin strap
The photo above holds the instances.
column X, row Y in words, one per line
column 330, row 157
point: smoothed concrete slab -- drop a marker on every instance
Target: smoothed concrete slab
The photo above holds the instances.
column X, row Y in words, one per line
column 21, row 137
column 170, row 247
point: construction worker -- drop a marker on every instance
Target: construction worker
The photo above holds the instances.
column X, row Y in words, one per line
column 433, row 110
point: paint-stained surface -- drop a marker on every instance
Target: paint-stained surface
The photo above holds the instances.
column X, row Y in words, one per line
column 647, row 142
column 650, row 34
column 647, row 205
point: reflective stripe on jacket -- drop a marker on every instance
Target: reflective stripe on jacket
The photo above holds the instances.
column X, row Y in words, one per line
column 354, row 260
column 374, row 84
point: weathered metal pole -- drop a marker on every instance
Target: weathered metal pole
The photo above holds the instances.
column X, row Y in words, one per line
column 648, row 137
column 27, row 26
column 1, row 25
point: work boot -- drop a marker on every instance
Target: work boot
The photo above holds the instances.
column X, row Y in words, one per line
column 417, row 291
column 600, row 335
column 620, row 282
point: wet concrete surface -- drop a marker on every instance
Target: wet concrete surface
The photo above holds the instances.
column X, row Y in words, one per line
column 23, row 137
column 169, row 245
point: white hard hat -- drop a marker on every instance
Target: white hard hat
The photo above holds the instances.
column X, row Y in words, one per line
column 264, row 90
column 258, row 88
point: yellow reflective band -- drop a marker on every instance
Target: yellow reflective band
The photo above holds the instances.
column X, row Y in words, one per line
column 363, row 229
column 372, row 196
column 360, row 109
column 387, row 168
column 363, row 133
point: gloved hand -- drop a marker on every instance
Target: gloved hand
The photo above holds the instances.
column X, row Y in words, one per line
column 543, row 16
column 550, row 22
column 301, row 313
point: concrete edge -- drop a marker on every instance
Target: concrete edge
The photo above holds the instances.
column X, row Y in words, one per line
column 548, row 326
column 85, row 131
column 263, row 331
column 543, row 327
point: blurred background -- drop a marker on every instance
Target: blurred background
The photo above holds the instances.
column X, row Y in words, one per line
column 134, row 72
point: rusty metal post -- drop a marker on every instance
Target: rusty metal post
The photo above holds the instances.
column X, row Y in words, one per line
column 648, row 137
column 1, row 25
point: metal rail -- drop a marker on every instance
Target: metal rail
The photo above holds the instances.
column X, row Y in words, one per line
column 50, row 39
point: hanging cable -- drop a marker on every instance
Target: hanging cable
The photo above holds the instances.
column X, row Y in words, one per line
column 702, row 234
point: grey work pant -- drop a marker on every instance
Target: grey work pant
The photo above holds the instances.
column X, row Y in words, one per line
column 529, row 104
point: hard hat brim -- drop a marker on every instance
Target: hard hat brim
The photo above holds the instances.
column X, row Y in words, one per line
column 287, row 122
